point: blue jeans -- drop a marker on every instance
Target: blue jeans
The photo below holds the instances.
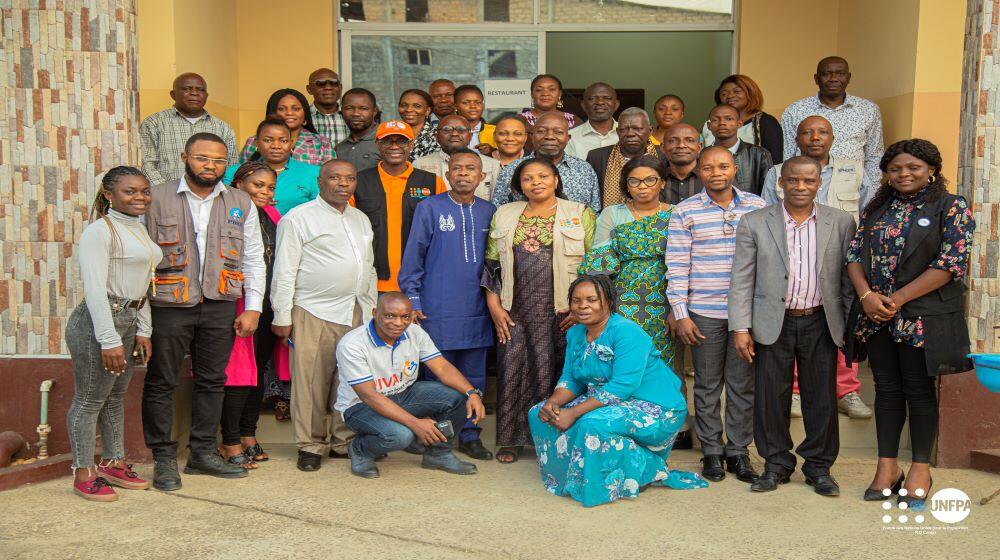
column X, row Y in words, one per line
column 378, row 435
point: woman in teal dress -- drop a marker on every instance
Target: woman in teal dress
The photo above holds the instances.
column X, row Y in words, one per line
column 630, row 245
column 609, row 426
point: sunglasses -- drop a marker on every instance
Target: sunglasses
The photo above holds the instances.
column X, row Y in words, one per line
column 729, row 223
column 450, row 129
column 327, row 83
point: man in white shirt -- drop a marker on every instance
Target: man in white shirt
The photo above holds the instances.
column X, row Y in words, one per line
column 324, row 285
column 600, row 101
column 385, row 404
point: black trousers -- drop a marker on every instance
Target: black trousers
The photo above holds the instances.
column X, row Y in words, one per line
column 206, row 331
column 241, row 406
column 901, row 384
column 804, row 341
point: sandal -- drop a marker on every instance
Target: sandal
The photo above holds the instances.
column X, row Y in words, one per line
column 281, row 411
column 508, row 455
column 256, row 453
column 242, row 460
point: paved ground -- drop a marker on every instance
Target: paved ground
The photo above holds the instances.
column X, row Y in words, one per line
column 502, row 512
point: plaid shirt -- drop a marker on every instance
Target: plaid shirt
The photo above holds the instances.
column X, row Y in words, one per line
column 332, row 126
column 163, row 136
column 309, row 148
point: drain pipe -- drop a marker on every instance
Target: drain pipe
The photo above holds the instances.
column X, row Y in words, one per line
column 43, row 427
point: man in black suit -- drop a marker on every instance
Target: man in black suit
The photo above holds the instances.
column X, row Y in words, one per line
column 633, row 140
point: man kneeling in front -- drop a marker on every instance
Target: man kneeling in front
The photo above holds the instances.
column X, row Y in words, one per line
column 385, row 405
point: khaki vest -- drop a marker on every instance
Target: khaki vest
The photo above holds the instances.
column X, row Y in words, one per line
column 169, row 222
column 844, row 192
column 568, row 248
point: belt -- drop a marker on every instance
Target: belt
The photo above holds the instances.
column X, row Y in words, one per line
column 123, row 303
column 803, row 312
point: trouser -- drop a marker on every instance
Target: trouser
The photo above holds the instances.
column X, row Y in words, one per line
column 847, row 377
column 314, row 382
column 678, row 368
column 902, row 384
column 98, row 395
column 241, row 406
column 206, row 331
column 378, row 435
column 804, row 342
column 472, row 363
column 716, row 363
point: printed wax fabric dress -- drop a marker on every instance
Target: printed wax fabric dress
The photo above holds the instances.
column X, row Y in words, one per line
column 634, row 257
column 614, row 451
column 530, row 362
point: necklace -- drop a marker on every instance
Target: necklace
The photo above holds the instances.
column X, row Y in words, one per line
column 631, row 208
column 144, row 240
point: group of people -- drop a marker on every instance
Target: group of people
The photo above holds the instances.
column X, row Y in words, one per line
column 362, row 271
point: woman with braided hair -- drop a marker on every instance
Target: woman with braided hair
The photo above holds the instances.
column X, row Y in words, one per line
column 108, row 334
column 245, row 374
column 606, row 431
column 907, row 262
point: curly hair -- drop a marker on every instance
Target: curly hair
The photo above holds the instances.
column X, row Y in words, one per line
column 924, row 150
column 604, row 286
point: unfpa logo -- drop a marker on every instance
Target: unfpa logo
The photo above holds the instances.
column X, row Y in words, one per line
column 949, row 505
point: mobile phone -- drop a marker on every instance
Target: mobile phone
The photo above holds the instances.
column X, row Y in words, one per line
column 446, row 429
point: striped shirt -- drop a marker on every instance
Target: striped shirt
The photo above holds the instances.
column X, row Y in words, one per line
column 701, row 240
column 803, row 280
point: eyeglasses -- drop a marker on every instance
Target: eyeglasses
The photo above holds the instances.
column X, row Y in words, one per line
column 205, row 160
column 327, row 83
column 729, row 223
column 450, row 129
column 650, row 181
column 394, row 140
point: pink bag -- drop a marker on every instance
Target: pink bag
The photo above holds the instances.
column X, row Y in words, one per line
column 242, row 368
column 281, row 359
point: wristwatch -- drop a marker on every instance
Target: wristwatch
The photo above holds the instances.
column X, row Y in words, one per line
column 473, row 391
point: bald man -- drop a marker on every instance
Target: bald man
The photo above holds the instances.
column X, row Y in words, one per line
column 324, row 86
column 382, row 401
column 164, row 134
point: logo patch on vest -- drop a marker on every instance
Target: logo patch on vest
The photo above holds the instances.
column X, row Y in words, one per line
column 235, row 217
column 446, row 224
column 570, row 223
column 419, row 192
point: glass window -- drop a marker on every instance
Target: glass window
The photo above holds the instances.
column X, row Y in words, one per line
column 388, row 65
column 437, row 11
column 637, row 11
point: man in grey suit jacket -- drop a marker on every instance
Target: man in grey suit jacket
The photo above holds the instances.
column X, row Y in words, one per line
column 787, row 304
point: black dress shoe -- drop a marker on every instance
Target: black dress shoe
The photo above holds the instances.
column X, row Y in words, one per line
column 476, row 450
column 213, row 464
column 309, row 461
column 741, row 467
column 711, row 468
column 878, row 495
column 684, row 440
column 824, row 485
column 769, row 481
column 334, row 455
column 165, row 476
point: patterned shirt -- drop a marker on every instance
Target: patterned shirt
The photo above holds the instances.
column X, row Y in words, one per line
column 163, row 136
column 332, row 126
column 803, row 279
column 579, row 182
column 857, row 130
column 309, row 148
column 701, row 241
column 888, row 240
column 426, row 142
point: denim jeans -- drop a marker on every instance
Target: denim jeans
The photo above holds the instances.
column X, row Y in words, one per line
column 99, row 396
column 377, row 435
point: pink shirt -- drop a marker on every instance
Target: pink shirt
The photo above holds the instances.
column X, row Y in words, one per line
column 803, row 281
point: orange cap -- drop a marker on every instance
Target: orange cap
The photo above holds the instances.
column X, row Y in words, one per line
column 394, row 128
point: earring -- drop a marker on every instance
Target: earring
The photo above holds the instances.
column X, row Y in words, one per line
column 933, row 178
column 559, row 104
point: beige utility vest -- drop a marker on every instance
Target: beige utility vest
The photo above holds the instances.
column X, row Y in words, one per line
column 169, row 222
column 844, row 191
column 568, row 248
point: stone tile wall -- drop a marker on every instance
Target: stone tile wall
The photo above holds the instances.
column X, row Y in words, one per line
column 68, row 112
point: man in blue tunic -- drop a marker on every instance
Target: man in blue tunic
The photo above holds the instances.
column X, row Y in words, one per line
column 440, row 273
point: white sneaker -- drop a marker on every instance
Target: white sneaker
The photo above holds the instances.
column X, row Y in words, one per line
column 852, row 405
column 796, row 406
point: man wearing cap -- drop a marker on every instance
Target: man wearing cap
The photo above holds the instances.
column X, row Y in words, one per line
column 388, row 194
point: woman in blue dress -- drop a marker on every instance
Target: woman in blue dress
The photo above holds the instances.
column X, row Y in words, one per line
column 606, row 431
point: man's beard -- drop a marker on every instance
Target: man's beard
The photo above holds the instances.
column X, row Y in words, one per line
column 192, row 177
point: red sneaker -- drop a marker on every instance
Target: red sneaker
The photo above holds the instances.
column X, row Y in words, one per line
column 97, row 490
column 123, row 476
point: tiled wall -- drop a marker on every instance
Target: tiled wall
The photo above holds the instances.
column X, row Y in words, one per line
column 68, row 112
column 979, row 167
